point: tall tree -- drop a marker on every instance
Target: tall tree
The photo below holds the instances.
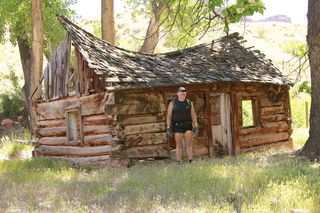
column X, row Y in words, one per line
column 311, row 149
column 107, row 21
column 16, row 20
column 183, row 20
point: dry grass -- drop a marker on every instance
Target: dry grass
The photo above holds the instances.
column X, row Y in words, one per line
column 264, row 182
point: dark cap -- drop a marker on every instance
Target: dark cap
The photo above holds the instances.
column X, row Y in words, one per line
column 182, row 89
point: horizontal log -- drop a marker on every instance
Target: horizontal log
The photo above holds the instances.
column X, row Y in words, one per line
column 135, row 109
column 272, row 110
column 101, row 139
column 147, row 152
column 137, row 99
column 97, row 120
column 144, row 142
column 94, row 130
column 142, row 119
column 156, row 151
column 53, row 131
column 145, row 128
column 272, row 118
column 90, row 105
column 103, row 160
column 286, row 144
column 254, row 140
column 266, row 102
column 145, row 136
column 75, row 151
column 51, row 123
column 279, row 126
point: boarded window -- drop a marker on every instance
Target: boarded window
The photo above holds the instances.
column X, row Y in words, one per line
column 74, row 124
column 250, row 112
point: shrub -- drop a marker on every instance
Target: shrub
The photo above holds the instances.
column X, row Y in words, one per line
column 12, row 103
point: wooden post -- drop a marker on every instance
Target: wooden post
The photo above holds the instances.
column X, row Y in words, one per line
column 209, row 125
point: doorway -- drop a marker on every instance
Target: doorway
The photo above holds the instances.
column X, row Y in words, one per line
column 221, row 123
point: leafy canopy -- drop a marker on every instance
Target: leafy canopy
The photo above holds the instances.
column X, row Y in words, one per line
column 16, row 19
column 183, row 20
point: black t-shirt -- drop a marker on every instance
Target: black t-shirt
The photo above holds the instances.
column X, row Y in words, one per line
column 181, row 111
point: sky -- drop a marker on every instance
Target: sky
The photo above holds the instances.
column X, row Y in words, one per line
column 295, row 9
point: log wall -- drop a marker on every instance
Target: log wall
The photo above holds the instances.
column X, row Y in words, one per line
column 123, row 126
column 274, row 119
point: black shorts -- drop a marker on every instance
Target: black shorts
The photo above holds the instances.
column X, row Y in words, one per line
column 181, row 128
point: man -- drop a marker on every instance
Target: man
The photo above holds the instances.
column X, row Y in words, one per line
column 181, row 122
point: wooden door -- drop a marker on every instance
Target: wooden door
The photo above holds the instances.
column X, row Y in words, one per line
column 221, row 123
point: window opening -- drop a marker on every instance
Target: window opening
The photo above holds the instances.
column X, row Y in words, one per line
column 247, row 113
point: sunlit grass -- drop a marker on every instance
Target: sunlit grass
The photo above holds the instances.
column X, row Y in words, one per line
column 299, row 137
column 262, row 182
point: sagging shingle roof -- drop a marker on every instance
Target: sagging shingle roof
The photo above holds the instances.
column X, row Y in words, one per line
column 222, row 60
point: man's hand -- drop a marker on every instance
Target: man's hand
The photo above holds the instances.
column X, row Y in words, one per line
column 195, row 130
column 169, row 131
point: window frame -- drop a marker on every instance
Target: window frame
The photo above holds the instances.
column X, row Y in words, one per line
column 255, row 103
column 72, row 123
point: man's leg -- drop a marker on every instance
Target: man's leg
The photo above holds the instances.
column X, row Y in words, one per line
column 188, row 139
column 178, row 138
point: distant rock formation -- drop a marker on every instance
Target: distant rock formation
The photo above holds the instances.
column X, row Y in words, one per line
column 277, row 18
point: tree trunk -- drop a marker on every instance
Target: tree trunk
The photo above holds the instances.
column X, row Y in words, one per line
column 152, row 35
column 37, row 44
column 311, row 149
column 25, row 57
column 107, row 21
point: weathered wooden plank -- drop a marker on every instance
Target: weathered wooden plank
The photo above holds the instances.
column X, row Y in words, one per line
column 147, row 152
column 153, row 141
column 272, row 118
column 75, row 151
column 51, row 123
column 142, row 119
column 272, row 110
column 135, row 109
column 101, row 139
column 140, row 137
column 145, row 128
column 53, row 131
column 266, row 102
column 90, row 105
column 278, row 126
column 97, row 120
column 254, row 140
column 136, row 99
column 93, row 130
column 104, row 160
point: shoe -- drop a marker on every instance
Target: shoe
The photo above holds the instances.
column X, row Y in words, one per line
column 190, row 161
column 179, row 162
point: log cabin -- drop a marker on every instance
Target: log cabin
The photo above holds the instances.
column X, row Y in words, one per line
column 110, row 107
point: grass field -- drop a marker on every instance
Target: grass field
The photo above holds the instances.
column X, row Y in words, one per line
column 270, row 181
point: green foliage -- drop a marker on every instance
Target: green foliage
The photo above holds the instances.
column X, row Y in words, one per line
column 183, row 20
column 296, row 48
column 97, row 29
column 305, row 87
column 12, row 103
column 247, row 115
column 262, row 182
column 16, row 19
column 298, row 110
